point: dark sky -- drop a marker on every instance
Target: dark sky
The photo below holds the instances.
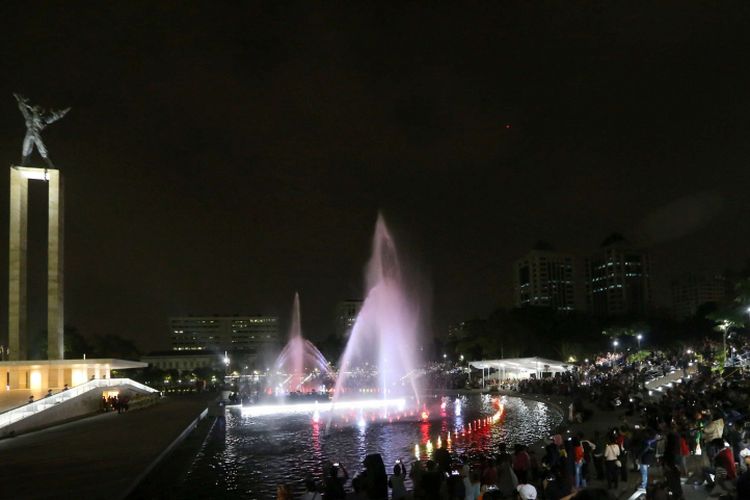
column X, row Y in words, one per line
column 219, row 158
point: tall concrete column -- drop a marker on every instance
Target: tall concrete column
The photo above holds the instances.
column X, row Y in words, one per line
column 17, row 291
column 17, row 310
column 55, row 225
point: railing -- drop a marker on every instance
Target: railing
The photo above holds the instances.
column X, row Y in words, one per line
column 27, row 410
column 668, row 380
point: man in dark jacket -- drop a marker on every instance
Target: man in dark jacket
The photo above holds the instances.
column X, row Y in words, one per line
column 646, row 459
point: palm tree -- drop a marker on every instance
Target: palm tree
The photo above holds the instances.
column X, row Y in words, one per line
column 725, row 319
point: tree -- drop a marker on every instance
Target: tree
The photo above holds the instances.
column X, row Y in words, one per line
column 76, row 344
column 625, row 330
column 114, row 346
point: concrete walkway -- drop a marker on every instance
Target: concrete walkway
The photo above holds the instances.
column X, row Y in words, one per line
column 97, row 457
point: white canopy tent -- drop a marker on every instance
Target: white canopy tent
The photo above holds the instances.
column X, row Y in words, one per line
column 518, row 368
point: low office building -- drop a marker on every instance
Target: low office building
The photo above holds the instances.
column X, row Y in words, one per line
column 183, row 360
column 223, row 333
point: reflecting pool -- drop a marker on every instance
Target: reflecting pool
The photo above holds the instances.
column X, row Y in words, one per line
column 249, row 456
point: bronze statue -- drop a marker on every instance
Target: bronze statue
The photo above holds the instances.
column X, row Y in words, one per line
column 36, row 121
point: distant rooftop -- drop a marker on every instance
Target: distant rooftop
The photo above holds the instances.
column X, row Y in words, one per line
column 544, row 245
column 197, row 352
column 614, row 239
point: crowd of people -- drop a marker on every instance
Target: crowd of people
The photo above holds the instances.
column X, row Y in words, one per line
column 118, row 403
column 695, row 431
column 516, row 474
column 698, row 429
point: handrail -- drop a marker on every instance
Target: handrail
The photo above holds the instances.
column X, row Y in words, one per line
column 29, row 409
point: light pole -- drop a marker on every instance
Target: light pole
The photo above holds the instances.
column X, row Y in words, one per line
column 724, row 327
column 638, row 338
column 614, row 344
column 226, row 363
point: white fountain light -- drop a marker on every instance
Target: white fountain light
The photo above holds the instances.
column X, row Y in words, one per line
column 365, row 404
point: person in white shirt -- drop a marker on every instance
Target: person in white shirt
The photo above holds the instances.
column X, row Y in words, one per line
column 611, row 459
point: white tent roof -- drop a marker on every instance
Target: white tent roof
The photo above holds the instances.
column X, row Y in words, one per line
column 521, row 364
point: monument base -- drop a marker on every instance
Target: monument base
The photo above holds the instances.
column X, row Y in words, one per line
column 41, row 375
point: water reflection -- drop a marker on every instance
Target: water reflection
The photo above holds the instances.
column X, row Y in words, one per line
column 256, row 454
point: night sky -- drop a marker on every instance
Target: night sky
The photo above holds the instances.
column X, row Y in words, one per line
column 217, row 159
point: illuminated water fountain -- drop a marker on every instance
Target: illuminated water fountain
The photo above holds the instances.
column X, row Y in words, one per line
column 300, row 364
column 384, row 338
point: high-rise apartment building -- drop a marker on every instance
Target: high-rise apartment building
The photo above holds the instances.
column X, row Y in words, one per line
column 346, row 315
column 223, row 333
column 692, row 291
column 545, row 278
column 618, row 279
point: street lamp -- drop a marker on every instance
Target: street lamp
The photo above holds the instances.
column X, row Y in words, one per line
column 226, row 363
column 724, row 327
column 638, row 338
column 615, row 344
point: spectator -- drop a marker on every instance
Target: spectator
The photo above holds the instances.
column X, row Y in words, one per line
column 334, row 484
column 612, row 462
column 526, row 492
column 507, row 480
column 283, row 492
column 646, row 459
column 311, row 490
column 396, row 483
column 472, row 485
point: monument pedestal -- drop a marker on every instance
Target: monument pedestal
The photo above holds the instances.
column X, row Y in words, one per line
column 17, row 292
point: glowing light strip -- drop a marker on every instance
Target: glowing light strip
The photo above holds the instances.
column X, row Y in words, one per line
column 366, row 404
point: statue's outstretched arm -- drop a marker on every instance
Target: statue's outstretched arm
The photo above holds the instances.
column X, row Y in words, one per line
column 22, row 105
column 56, row 115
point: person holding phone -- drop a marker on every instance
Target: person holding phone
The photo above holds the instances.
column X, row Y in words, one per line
column 396, row 482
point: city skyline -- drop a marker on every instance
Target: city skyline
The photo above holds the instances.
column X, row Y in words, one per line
column 219, row 163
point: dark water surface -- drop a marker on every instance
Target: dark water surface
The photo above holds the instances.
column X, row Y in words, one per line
column 251, row 455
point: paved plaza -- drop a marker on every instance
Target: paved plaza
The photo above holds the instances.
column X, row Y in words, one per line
column 97, row 457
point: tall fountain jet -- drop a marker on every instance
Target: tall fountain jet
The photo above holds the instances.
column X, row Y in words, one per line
column 384, row 338
column 300, row 361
